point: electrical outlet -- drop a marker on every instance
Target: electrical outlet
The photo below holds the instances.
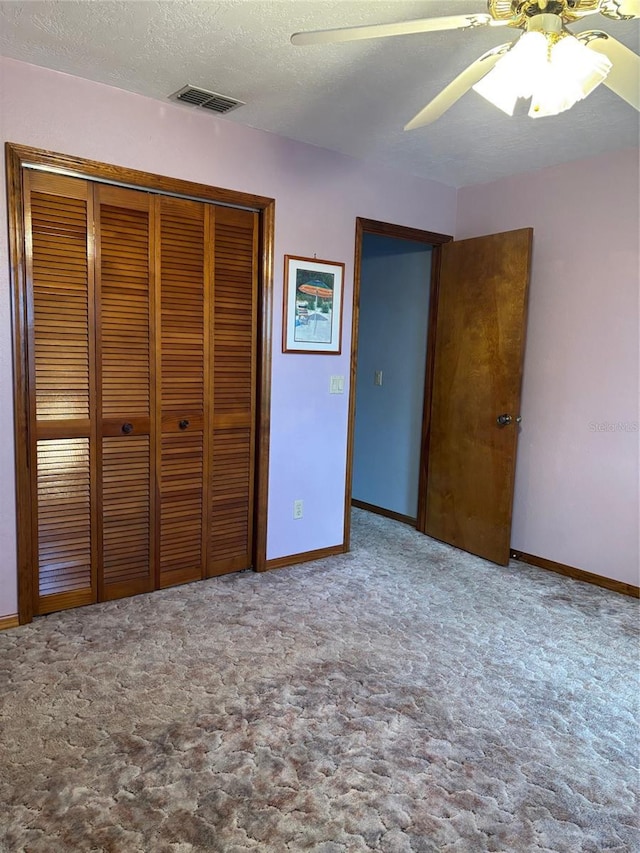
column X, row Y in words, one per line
column 297, row 509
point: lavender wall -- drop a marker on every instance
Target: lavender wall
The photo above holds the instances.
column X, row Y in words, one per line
column 318, row 196
column 577, row 480
column 576, row 498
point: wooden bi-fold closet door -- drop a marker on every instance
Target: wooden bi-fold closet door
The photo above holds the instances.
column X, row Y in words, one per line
column 183, row 367
column 142, row 375
column 62, row 459
column 125, row 391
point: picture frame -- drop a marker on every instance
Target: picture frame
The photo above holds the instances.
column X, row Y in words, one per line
column 313, row 297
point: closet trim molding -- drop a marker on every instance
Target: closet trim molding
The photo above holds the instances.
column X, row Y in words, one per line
column 20, row 157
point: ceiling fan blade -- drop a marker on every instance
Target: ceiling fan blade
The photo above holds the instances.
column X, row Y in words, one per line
column 620, row 10
column 624, row 76
column 458, row 87
column 422, row 25
column 630, row 8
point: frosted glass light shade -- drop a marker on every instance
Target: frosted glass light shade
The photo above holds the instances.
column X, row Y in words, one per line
column 554, row 73
column 515, row 74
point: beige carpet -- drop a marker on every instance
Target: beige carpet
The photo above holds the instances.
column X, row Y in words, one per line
column 404, row 697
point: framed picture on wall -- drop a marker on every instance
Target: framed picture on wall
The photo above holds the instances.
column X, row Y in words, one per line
column 312, row 305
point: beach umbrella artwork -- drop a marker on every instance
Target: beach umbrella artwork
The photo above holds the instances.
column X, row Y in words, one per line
column 318, row 290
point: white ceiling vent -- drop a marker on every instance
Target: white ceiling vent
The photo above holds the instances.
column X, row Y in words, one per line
column 207, row 100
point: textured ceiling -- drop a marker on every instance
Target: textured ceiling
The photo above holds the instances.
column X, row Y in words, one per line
column 354, row 98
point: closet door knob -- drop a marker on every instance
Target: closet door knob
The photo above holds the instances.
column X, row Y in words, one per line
column 127, row 428
column 183, row 424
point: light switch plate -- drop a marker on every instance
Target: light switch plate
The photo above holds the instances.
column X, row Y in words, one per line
column 377, row 377
column 336, row 385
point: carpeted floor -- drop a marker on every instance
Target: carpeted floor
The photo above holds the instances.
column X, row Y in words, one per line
column 403, row 697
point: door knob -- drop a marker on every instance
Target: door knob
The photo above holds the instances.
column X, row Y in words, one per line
column 127, row 428
column 183, row 424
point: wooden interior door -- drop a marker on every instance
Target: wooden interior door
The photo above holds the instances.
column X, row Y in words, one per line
column 183, row 363
column 114, row 347
column 62, row 401
column 233, row 392
column 142, row 352
column 479, row 349
column 125, row 380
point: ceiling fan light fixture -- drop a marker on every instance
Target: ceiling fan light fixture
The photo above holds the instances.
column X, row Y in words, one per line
column 554, row 70
column 514, row 75
column 573, row 72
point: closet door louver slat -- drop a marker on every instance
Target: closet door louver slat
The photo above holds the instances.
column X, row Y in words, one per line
column 126, row 514
column 60, row 306
column 64, row 523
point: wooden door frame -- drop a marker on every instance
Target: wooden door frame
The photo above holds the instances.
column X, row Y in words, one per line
column 19, row 158
column 400, row 232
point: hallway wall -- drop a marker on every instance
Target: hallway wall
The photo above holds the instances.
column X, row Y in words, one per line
column 393, row 321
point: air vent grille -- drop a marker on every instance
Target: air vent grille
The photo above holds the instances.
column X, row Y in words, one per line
column 207, row 100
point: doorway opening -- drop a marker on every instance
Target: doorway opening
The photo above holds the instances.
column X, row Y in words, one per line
column 395, row 302
column 472, row 386
column 392, row 348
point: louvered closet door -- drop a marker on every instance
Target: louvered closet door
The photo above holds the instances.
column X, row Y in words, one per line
column 59, row 219
column 125, row 391
column 143, row 326
column 234, row 344
column 183, row 358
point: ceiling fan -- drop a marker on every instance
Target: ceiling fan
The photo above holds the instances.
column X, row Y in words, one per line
column 547, row 63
